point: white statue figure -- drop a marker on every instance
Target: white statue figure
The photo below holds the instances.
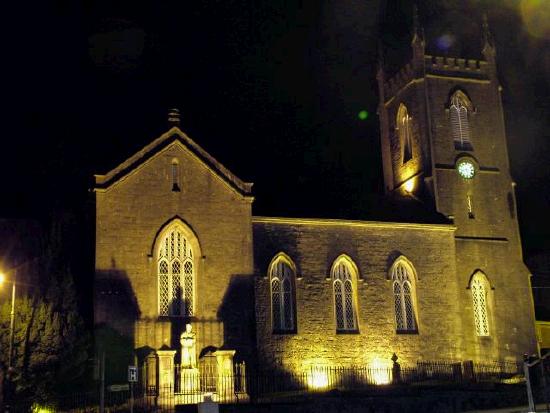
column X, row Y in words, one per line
column 187, row 340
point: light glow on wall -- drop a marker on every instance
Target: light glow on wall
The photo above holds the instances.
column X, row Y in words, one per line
column 36, row 408
column 381, row 372
column 317, row 378
column 316, row 371
column 409, row 185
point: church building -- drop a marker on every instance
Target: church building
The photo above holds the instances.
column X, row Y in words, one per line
column 177, row 243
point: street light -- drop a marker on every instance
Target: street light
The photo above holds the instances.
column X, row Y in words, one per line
column 12, row 314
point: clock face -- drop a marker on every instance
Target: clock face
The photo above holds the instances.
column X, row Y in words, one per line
column 466, row 169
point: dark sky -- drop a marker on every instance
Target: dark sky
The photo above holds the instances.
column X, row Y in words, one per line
column 270, row 88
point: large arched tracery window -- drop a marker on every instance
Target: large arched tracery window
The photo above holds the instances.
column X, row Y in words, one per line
column 176, row 273
column 479, row 288
column 404, row 296
column 343, row 280
column 282, row 278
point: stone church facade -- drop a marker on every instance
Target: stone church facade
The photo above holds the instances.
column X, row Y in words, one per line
column 177, row 243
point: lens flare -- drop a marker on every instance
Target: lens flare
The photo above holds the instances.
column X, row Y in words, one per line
column 445, row 42
column 536, row 17
column 363, row 115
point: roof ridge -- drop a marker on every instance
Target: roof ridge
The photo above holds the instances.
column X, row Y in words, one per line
column 105, row 180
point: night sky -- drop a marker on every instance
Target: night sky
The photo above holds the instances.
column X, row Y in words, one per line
column 270, row 88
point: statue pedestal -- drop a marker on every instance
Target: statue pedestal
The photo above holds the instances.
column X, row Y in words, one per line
column 166, row 378
column 225, row 383
column 166, row 370
column 190, row 380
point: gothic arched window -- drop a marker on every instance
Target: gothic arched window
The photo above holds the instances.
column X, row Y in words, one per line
column 404, row 130
column 176, row 273
column 459, row 107
column 479, row 287
column 343, row 280
column 402, row 276
column 282, row 275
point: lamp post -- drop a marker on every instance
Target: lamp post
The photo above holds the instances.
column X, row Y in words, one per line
column 8, row 395
column 12, row 315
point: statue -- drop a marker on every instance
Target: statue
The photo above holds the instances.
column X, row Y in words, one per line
column 188, row 353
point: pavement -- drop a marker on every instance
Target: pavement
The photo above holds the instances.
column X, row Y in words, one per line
column 540, row 408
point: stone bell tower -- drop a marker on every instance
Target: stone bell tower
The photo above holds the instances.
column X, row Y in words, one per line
column 443, row 142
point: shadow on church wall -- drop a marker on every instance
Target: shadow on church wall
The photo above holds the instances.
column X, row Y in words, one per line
column 115, row 303
column 118, row 350
column 269, row 243
column 392, row 256
column 237, row 314
column 115, row 312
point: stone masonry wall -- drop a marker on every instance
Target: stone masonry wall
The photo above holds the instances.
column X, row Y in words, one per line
column 130, row 214
column 488, row 239
column 373, row 248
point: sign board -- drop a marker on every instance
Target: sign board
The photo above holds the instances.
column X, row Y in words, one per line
column 132, row 374
column 119, row 387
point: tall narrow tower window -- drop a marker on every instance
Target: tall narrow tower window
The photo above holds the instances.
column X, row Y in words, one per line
column 459, row 108
column 478, row 286
column 470, row 203
column 404, row 129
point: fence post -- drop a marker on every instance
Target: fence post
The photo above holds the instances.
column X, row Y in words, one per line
column 528, row 383
column 544, row 383
column 131, row 397
column 395, row 370
column 468, row 370
column 102, row 384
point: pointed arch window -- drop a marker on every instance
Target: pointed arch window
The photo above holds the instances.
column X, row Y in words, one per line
column 404, row 130
column 176, row 274
column 282, row 277
column 459, row 113
column 404, row 297
column 479, row 289
column 343, row 279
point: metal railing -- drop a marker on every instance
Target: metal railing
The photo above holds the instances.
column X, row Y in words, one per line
column 255, row 385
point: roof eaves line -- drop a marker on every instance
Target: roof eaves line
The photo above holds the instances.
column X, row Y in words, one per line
column 354, row 223
column 106, row 180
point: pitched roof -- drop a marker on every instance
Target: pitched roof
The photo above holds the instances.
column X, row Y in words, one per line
column 174, row 134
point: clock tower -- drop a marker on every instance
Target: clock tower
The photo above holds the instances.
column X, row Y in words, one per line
column 444, row 144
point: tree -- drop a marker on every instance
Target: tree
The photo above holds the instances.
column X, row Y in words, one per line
column 50, row 339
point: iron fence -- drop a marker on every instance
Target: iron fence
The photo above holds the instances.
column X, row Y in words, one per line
column 257, row 385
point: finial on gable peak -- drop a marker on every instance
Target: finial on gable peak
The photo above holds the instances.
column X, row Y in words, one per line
column 417, row 42
column 415, row 17
column 174, row 117
column 488, row 44
column 380, row 57
column 418, row 32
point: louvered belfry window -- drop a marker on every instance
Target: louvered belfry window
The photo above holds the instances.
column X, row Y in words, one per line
column 479, row 301
column 175, row 274
column 459, row 121
column 282, row 295
column 405, row 315
column 404, row 123
column 344, row 308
